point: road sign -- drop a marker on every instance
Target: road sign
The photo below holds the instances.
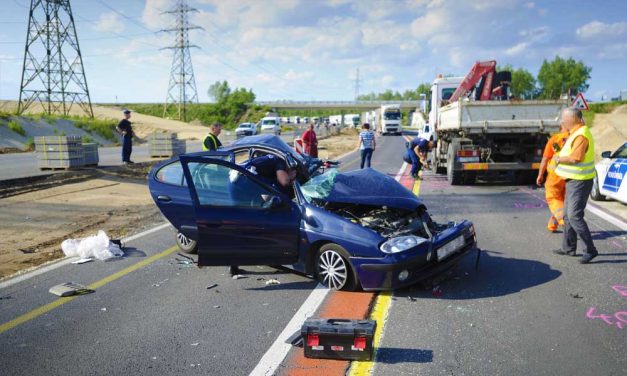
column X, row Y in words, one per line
column 580, row 103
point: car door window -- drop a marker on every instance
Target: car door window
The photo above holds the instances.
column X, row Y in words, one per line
column 621, row 152
column 171, row 173
column 218, row 185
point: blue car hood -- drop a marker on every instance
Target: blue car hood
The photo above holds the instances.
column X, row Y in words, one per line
column 365, row 187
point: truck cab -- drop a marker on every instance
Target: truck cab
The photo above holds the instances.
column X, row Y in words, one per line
column 441, row 91
column 390, row 119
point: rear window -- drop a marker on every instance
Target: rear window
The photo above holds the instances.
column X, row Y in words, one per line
column 171, row 173
column 244, row 125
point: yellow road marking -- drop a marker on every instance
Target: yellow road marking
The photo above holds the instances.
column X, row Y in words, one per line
column 59, row 302
column 380, row 315
column 416, row 189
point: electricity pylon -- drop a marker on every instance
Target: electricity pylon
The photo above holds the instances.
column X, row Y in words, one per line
column 53, row 73
column 182, row 86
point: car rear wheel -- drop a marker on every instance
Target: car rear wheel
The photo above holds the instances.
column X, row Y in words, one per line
column 186, row 244
column 595, row 194
column 333, row 269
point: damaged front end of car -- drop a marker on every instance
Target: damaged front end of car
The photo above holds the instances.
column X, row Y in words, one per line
column 392, row 239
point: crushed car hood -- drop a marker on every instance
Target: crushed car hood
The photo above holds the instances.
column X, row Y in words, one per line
column 364, row 187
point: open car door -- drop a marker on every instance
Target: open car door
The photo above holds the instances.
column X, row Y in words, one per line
column 240, row 219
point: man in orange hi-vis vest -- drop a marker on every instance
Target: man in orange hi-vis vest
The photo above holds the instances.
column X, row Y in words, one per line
column 555, row 186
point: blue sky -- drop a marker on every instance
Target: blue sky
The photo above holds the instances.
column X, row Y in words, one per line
column 310, row 49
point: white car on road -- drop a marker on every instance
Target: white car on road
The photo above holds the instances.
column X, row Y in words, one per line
column 271, row 124
column 610, row 179
column 246, row 129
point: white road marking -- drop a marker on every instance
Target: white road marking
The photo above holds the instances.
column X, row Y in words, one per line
column 38, row 270
column 616, row 221
column 279, row 349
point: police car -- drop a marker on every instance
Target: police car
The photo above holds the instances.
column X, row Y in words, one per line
column 610, row 179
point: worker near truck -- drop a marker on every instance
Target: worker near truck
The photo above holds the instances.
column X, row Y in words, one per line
column 417, row 154
column 211, row 142
column 554, row 185
column 575, row 164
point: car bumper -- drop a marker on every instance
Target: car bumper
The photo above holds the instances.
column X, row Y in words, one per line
column 385, row 276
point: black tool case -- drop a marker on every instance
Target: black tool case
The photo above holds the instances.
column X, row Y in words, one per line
column 338, row 338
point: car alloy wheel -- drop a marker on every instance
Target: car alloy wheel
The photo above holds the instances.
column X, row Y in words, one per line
column 332, row 270
column 186, row 244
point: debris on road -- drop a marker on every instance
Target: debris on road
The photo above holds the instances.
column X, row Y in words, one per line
column 212, row 286
column 411, row 298
column 576, row 296
column 239, row 276
column 104, row 309
column 5, row 297
column 159, row 283
column 186, row 257
column 69, row 289
column 98, row 246
column 195, row 344
column 272, row 282
column 83, row 260
column 216, row 306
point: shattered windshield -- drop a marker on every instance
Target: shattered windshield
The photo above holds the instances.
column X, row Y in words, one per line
column 320, row 186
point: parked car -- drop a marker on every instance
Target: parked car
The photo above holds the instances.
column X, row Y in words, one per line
column 271, row 124
column 610, row 179
column 328, row 226
column 246, row 129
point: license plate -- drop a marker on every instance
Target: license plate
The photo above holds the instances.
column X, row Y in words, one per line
column 450, row 247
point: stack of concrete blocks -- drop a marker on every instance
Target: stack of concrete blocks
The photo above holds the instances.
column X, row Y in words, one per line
column 165, row 145
column 90, row 154
column 56, row 152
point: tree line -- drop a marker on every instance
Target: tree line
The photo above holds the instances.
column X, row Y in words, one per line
column 556, row 77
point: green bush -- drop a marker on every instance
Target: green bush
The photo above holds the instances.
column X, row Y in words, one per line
column 16, row 127
column 29, row 145
column 87, row 140
column 103, row 127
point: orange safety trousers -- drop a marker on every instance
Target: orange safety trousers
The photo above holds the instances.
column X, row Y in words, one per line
column 555, row 191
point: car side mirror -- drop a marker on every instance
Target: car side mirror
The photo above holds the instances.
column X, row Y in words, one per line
column 606, row 154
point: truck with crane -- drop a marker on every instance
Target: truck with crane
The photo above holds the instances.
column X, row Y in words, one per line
column 480, row 128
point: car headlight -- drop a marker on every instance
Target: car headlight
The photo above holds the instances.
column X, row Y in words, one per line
column 401, row 243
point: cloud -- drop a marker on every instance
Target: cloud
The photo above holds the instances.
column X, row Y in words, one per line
column 601, row 30
column 109, row 22
column 152, row 15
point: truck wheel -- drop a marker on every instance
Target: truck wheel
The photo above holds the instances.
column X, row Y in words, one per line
column 186, row 244
column 453, row 177
column 595, row 194
column 333, row 269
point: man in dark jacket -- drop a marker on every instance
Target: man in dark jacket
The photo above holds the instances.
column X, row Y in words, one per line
column 125, row 129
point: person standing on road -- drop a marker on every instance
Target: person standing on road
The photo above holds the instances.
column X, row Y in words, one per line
column 367, row 144
column 554, row 186
column 125, row 129
column 310, row 141
column 211, row 142
column 575, row 164
column 417, row 155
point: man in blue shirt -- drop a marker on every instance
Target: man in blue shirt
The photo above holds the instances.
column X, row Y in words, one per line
column 417, row 155
column 367, row 144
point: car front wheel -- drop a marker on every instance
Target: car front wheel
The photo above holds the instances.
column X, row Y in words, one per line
column 186, row 244
column 333, row 269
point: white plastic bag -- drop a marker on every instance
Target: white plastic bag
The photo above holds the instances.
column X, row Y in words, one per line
column 98, row 246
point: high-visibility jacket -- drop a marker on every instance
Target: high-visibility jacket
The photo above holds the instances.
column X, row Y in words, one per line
column 583, row 170
column 214, row 141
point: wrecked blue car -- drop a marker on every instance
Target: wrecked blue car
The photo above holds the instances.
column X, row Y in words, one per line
column 350, row 230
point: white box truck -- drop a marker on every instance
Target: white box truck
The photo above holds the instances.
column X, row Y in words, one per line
column 388, row 119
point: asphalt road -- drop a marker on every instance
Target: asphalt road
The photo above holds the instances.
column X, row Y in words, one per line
column 522, row 312
column 20, row 165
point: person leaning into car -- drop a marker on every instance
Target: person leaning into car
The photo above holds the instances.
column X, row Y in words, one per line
column 211, row 142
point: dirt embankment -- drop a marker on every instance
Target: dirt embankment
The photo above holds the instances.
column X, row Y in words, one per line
column 37, row 215
column 610, row 130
